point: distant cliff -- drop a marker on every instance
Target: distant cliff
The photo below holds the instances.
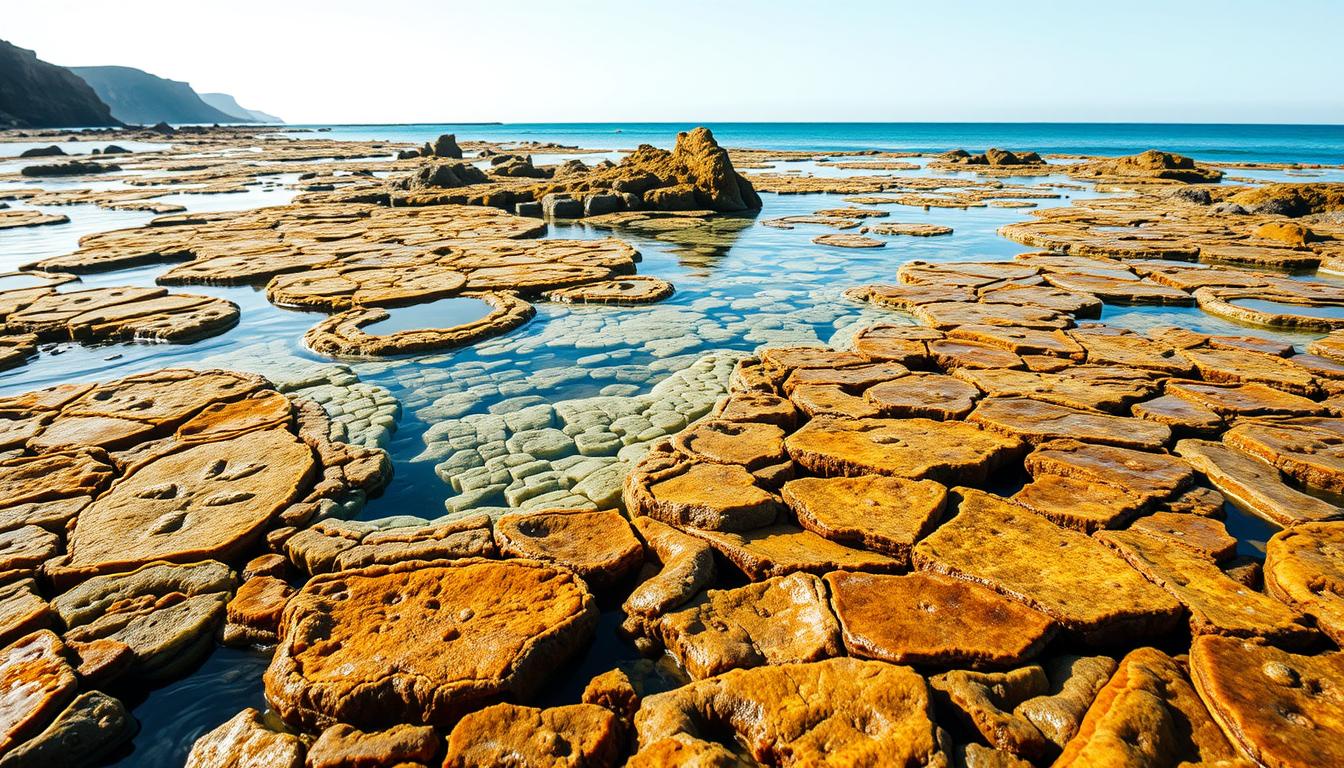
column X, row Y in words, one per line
column 35, row 94
column 230, row 106
column 139, row 97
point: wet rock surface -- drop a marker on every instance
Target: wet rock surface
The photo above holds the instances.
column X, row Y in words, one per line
column 492, row 640
column 1149, row 692
column 930, row 619
column 810, row 712
column 1089, row 590
column 780, row 620
column 1276, row 707
column 878, row 525
column 188, row 468
column 577, row 734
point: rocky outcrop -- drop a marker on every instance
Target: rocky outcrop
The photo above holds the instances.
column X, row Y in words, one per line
column 442, row 175
column 35, row 94
column 1293, row 200
column 247, row 739
column 695, row 174
column 992, row 157
column 1150, row 166
column 141, row 98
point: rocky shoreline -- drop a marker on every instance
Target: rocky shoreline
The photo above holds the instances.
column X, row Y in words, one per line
column 985, row 526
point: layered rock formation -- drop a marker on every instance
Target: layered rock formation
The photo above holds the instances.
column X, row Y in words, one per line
column 1152, row 166
column 124, row 509
column 696, row 175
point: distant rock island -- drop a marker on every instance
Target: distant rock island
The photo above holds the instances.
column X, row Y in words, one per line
column 230, row 106
column 36, row 94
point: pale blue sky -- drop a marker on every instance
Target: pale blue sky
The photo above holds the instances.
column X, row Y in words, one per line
column 597, row 60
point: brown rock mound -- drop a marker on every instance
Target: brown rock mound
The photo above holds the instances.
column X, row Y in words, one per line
column 835, row 712
column 1152, row 165
column 424, row 643
column 1293, row 200
column 781, row 620
column 1148, row 714
column 928, row 618
column 1067, row 575
column 577, row 736
column 1278, row 708
column 696, row 174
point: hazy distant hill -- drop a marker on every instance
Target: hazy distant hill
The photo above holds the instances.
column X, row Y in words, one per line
column 35, row 94
column 139, row 97
column 230, row 106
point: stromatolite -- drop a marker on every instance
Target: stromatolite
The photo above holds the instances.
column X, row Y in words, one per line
column 424, row 642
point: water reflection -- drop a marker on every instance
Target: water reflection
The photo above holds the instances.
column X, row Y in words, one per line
column 440, row 314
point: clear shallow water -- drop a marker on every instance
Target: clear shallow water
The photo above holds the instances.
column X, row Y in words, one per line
column 1281, row 308
column 738, row 290
column 440, row 314
column 1231, row 143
